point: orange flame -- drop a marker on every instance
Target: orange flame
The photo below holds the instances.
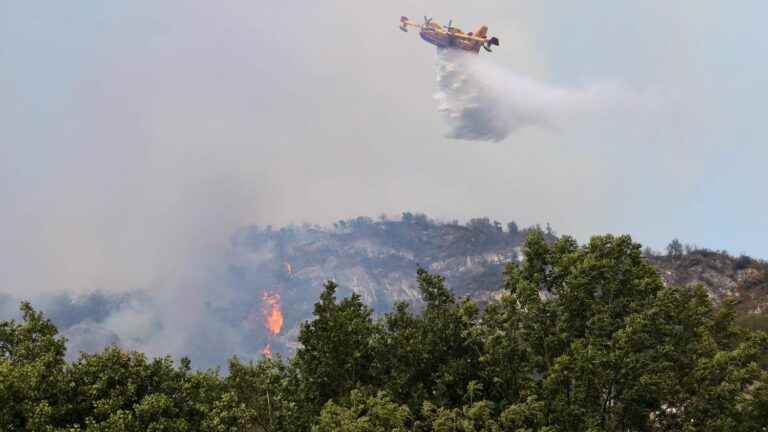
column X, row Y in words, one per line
column 267, row 351
column 273, row 315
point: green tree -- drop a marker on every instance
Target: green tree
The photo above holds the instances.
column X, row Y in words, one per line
column 128, row 385
column 158, row 412
column 675, row 248
column 31, row 367
column 432, row 356
column 229, row 414
column 264, row 392
column 475, row 417
column 363, row 414
column 507, row 361
column 336, row 353
column 611, row 348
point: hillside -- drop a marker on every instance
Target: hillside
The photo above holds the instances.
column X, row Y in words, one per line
column 377, row 259
column 273, row 277
column 611, row 348
column 723, row 275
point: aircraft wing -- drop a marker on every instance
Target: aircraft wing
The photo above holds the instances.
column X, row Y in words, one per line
column 469, row 38
column 405, row 23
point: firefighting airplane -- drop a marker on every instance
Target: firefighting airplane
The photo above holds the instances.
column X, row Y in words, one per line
column 451, row 37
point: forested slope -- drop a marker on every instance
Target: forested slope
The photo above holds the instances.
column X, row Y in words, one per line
column 376, row 259
column 584, row 338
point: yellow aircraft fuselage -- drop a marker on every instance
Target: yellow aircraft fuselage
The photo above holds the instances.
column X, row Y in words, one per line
column 451, row 37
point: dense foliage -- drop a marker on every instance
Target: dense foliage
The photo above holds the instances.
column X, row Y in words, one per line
column 585, row 338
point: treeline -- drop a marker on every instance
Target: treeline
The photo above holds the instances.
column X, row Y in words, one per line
column 425, row 237
column 586, row 338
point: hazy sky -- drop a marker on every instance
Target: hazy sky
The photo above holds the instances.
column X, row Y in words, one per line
column 135, row 136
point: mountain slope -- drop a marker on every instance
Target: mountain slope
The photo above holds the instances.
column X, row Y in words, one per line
column 723, row 275
column 282, row 271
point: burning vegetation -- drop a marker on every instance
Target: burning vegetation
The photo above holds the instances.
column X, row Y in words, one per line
column 273, row 318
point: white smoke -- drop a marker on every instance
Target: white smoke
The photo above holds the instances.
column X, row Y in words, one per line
column 482, row 101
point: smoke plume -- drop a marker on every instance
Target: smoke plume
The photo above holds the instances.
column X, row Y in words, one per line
column 482, row 101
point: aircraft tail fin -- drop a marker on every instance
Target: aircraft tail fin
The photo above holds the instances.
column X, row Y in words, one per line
column 482, row 32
